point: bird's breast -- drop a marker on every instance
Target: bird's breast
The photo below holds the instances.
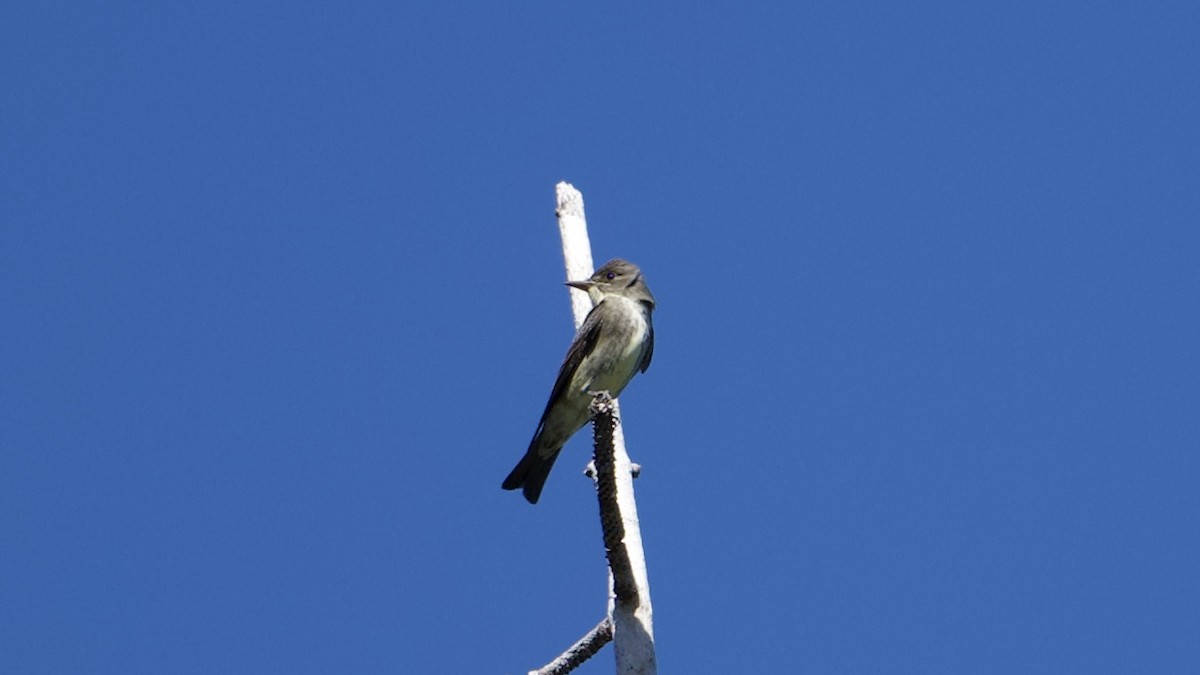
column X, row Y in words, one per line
column 622, row 343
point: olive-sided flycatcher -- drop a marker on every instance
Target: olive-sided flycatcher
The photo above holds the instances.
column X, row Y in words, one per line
column 615, row 341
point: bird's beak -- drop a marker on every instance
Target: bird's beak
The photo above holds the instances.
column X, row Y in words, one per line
column 581, row 285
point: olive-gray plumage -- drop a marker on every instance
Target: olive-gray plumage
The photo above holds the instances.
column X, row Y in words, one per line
column 615, row 342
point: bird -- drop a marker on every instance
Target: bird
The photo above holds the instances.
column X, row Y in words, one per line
column 615, row 342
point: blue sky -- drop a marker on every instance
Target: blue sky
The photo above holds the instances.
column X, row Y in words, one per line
column 282, row 301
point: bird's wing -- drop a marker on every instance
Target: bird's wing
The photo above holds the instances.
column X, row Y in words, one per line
column 584, row 343
column 649, row 347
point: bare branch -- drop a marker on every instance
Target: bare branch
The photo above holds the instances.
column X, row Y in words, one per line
column 624, row 585
column 579, row 652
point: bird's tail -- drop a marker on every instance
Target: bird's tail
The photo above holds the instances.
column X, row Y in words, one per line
column 530, row 474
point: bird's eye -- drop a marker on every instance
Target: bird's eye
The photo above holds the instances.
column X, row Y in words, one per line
column 610, row 276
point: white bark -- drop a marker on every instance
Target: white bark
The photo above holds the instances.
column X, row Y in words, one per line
column 577, row 249
column 633, row 623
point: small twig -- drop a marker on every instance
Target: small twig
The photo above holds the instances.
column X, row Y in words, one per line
column 579, row 652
